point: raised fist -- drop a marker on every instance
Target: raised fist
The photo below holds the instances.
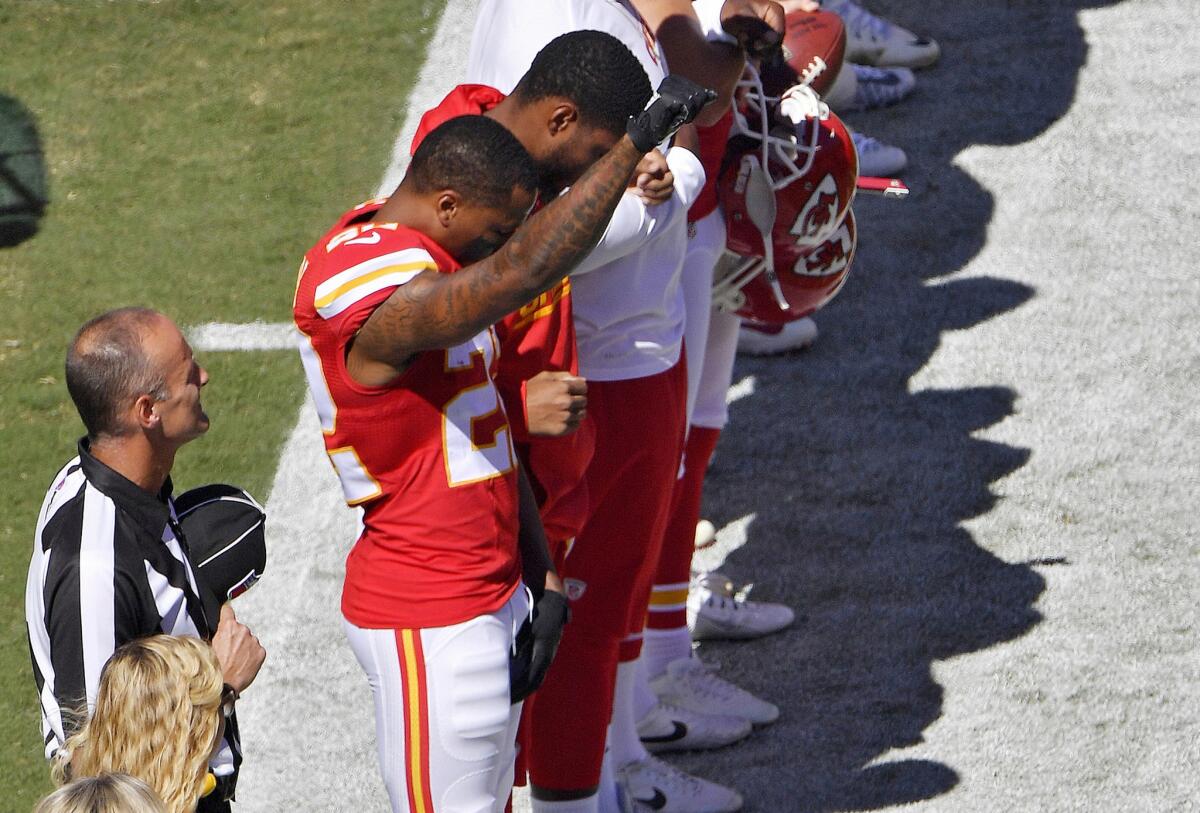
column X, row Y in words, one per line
column 757, row 25
column 677, row 102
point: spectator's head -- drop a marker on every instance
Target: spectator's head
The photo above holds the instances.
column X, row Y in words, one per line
column 107, row 793
column 158, row 717
column 575, row 100
column 131, row 371
column 473, row 184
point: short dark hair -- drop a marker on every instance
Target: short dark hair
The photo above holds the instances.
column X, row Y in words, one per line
column 107, row 364
column 593, row 70
column 476, row 157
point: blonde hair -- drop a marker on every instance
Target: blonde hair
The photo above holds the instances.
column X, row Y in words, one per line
column 108, row 793
column 157, row 716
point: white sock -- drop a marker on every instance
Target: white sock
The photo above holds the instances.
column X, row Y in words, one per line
column 607, row 791
column 585, row 805
column 644, row 698
column 623, row 741
column 660, row 647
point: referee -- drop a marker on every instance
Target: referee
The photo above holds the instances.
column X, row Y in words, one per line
column 110, row 562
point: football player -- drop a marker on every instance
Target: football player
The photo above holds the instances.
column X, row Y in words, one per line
column 396, row 304
column 629, row 324
column 568, row 107
column 706, row 41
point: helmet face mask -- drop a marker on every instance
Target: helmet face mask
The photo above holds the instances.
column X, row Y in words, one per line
column 809, row 280
column 786, row 189
column 781, row 125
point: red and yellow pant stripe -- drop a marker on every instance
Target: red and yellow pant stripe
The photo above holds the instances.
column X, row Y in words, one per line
column 416, row 719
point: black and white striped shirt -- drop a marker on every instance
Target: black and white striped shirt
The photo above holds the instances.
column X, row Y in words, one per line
column 109, row 565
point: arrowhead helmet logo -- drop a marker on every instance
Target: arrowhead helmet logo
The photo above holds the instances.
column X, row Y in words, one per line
column 831, row 257
column 816, row 219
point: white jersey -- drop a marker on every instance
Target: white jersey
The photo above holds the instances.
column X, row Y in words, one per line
column 626, row 296
column 509, row 33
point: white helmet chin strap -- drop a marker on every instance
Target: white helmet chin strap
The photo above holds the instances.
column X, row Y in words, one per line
column 761, row 209
column 799, row 105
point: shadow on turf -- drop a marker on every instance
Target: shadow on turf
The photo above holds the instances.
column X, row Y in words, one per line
column 860, row 486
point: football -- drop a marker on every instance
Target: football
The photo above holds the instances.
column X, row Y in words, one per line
column 814, row 45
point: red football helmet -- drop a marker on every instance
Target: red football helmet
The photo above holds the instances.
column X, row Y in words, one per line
column 786, row 187
column 814, row 277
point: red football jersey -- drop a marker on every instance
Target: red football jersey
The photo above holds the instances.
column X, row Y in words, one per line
column 428, row 456
column 540, row 336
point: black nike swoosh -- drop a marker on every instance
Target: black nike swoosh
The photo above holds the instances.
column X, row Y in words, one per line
column 679, row 733
column 655, row 802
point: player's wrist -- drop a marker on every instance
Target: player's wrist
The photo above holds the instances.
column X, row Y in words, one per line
column 553, row 583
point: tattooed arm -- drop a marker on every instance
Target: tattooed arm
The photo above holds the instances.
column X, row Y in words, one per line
column 435, row 310
column 634, row 223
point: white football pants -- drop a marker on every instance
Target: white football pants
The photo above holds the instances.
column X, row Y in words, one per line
column 445, row 729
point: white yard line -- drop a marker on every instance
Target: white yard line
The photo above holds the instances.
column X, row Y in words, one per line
column 221, row 336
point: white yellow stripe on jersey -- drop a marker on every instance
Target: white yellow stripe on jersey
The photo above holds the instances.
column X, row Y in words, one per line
column 343, row 289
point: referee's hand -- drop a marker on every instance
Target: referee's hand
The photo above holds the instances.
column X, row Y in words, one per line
column 240, row 653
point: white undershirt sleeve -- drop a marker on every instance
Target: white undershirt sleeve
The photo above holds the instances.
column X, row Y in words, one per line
column 634, row 223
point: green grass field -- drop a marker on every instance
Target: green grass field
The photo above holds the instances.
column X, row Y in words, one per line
column 195, row 151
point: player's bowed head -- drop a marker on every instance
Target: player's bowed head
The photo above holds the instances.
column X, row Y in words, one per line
column 468, row 187
column 571, row 106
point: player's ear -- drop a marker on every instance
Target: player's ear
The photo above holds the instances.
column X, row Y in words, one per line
column 447, row 206
column 562, row 116
column 144, row 412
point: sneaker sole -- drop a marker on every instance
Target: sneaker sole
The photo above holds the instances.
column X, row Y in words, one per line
column 716, row 631
column 677, row 741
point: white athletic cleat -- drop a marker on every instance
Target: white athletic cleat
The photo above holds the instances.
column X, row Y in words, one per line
column 876, row 159
column 706, row 533
column 717, row 611
column 876, row 41
column 762, row 339
column 671, row 728
column 690, row 683
column 861, row 87
column 653, row 785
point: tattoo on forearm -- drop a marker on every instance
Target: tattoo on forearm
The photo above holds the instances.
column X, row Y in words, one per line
column 438, row 310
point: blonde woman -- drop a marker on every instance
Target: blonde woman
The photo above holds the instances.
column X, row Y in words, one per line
column 108, row 793
column 160, row 712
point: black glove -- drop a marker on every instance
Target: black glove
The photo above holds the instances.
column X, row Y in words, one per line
column 536, row 644
column 677, row 102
